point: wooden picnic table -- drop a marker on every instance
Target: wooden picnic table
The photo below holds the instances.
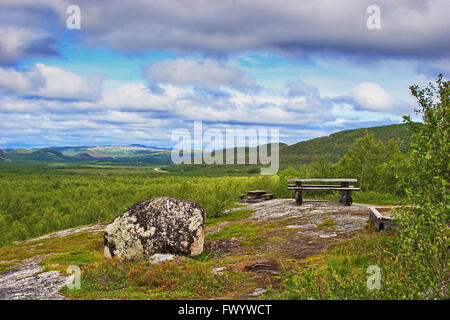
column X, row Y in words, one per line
column 344, row 188
column 257, row 195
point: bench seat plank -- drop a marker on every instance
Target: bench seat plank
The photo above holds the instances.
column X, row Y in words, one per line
column 322, row 180
column 325, row 188
column 317, row 185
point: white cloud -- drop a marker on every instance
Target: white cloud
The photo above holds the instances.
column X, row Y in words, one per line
column 13, row 81
column 50, row 82
column 370, row 96
column 14, row 42
column 138, row 97
column 62, row 84
column 208, row 74
column 301, row 88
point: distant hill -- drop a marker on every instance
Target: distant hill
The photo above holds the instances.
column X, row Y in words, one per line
column 247, row 151
column 337, row 144
column 44, row 155
column 82, row 156
column 110, row 154
column 334, row 146
column 110, row 151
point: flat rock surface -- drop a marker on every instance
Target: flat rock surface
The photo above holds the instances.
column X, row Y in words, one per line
column 25, row 282
column 66, row 232
column 285, row 208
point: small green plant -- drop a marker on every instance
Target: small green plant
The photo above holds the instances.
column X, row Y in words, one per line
column 327, row 223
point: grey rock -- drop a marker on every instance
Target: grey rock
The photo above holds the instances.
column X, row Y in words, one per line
column 286, row 208
column 24, row 282
column 218, row 270
column 160, row 225
column 258, row 292
column 305, row 226
column 160, row 257
column 66, row 232
column 328, row 235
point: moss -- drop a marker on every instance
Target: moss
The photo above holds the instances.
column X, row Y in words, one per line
column 74, row 256
column 231, row 216
column 89, row 243
column 7, row 266
column 244, row 230
column 327, row 223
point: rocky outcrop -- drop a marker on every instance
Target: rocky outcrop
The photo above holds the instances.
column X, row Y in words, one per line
column 161, row 225
column 28, row 282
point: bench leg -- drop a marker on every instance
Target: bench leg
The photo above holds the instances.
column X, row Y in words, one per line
column 298, row 197
column 341, row 196
column 348, row 198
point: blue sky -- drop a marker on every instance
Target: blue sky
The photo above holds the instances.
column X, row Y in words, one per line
column 136, row 71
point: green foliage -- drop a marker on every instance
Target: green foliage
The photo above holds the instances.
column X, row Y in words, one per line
column 424, row 236
column 364, row 159
column 336, row 145
column 322, row 166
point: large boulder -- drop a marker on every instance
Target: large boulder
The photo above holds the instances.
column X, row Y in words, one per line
column 161, row 225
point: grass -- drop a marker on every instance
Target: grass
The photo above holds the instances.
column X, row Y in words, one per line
column 244, row 230
column 85, row 242
column 342, row 273
column 178, row 278
column 230, row 216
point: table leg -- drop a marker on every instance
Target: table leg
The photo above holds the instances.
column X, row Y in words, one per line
column 298, row 197
column 348, row 198
column 298, row 194
column 343, row 195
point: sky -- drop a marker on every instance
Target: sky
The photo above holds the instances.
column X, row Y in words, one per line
column 135, row 71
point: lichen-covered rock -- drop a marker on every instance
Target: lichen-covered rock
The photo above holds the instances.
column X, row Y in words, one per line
column 160, row 225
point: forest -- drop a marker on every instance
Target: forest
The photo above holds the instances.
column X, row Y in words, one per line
column 40, row 198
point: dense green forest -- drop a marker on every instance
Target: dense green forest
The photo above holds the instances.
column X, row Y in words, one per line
column 337, row 144
column 37, row 199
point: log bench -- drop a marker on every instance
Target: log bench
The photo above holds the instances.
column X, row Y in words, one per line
column 344, row 188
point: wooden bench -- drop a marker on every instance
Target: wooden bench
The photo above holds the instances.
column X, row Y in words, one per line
column 344, row 188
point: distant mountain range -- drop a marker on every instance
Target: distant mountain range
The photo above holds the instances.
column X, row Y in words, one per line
column 116, row 154
column 333, row 146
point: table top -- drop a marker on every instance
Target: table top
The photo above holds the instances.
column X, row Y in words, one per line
column 257, row 191
column 322, row 180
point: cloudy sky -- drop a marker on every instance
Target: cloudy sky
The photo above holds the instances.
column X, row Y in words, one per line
column 137, row 70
